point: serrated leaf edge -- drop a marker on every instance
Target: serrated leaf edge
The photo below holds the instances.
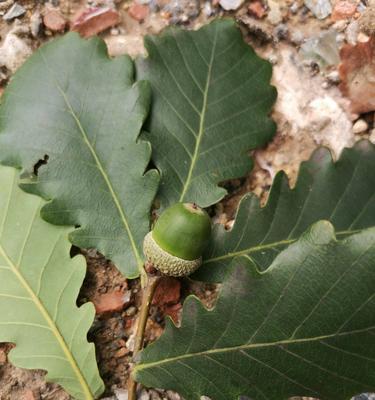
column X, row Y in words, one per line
column 171, row 30
column 51, row 325
column 99, row 164
column 280, row 175
column 105, row 177
column 192, row 301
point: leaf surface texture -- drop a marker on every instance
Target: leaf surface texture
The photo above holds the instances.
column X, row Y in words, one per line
column 211, row 100
column 304, row 327
column 39, row 285
column 342, row 193
column 72, row 103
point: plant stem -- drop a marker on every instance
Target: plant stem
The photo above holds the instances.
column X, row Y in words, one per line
column 148, row 294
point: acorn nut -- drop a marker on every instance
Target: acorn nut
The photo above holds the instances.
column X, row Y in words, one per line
column 176, row 243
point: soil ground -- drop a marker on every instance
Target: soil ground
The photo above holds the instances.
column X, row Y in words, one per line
column 310, row 111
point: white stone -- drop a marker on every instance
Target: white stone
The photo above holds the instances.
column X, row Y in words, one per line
column 360, row 126
column 35, row 22
column 230, row 4
column 125, row 44
column 14, row 12
column 274, row 13
column 121, row 394
column 14, row 51
column 130, row 343
column 307, row 114
column 144, row 395
column 320, row 8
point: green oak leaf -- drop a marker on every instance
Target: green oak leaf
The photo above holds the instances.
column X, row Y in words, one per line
column 74, row 104
column 341, row 192
column 211, row 100
column 304, row 327
column 39, row 285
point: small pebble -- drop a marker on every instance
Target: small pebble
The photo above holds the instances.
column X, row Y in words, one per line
column 121, row 394
column 94, row 20
column 54, row 21
column 207, row 9
column 343, row 10
column 257, row 9
column 14, row 12
column 111, row 302
column 362, row 37
column 294, row 8
column 139, row 12
column 123, row 351
column 334, row 77
column 130, row 343
column 14, row 51
column 297, row 37
column 35, row 22
column 144, row 395
column 173, row 395
column 182, row 11
column 360, row 126
column 131, row 311
column 274, row 13
column 273, row 58
column 230, row 4
column 320, row 8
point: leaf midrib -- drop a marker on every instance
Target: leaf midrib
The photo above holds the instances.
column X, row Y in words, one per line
column 106, row 179
column 254, row 249
column 52, row 326
column 100, row 168
column 248, row 346
column 201, row 122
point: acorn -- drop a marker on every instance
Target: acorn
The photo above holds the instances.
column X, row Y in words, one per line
column 176, row 243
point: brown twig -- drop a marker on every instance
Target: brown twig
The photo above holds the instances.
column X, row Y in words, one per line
column 147, row 296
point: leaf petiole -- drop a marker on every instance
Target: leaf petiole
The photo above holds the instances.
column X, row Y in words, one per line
column 149, row 285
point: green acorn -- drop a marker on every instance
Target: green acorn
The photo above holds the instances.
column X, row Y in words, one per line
column 176, row 243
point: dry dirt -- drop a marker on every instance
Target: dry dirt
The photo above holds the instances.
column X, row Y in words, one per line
column 310, row 111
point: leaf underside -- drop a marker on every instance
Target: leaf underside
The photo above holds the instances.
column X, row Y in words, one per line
column 69, row 101
column 211, row 100
column 39, row 285
column 341, row 192
column 304, row 327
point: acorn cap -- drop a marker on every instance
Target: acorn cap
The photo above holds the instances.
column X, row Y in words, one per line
column 165, row 262
column 176, row 243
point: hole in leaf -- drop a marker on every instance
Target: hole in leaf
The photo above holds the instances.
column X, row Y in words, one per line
column 40, row 162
